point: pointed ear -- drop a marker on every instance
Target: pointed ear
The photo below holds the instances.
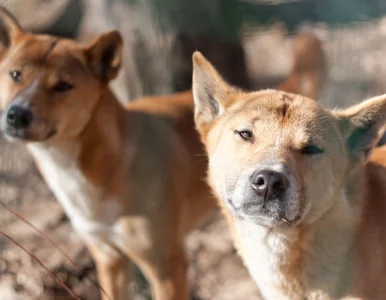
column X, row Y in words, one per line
column 210, row 92
column 105, row 55
column 10, row 30
column 362, row 125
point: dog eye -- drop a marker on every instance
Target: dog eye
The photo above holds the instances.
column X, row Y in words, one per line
column 16, row 75
column 311, row 150
column 63, row 86
column 246, row 135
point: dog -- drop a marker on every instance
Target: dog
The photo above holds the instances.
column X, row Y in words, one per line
column 302, row 187
column 131, row 180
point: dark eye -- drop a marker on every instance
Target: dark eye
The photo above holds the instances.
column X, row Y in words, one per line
column 311, row 150
column 246, row 135
column 16, row 75
column 62, row 86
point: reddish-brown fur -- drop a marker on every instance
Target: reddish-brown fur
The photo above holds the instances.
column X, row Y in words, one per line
column 131, row 180
column 371, row 235
column 139, row 173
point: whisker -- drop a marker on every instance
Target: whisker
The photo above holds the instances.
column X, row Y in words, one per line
column 286, row 221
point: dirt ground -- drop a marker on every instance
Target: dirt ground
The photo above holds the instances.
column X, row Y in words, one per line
column 356, row 62
column 216, row 271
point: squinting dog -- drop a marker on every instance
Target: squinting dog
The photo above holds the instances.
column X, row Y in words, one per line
column 307, row 213
column 131, row 181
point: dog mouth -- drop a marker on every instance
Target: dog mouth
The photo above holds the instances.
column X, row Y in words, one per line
column 26, row 136
column 234, row 210
column 263, row 216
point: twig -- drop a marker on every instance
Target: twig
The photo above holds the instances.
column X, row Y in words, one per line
column 79, row 269
column 60, row 282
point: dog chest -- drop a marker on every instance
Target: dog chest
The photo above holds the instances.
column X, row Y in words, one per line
column 266, row 259
column 317, row 266
column 90, row 214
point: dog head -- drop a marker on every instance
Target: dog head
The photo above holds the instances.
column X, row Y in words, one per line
column 50, row 86
column 275, row 158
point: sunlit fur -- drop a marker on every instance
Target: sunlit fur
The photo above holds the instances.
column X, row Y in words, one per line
column 323, row 238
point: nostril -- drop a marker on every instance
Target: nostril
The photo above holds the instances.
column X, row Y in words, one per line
column 26, row 118
column 277, row 185
column 260, row 181
column 282, row 182
column 11, row 117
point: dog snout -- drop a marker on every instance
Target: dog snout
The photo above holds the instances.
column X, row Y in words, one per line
column 269, row 184
column 19, row 117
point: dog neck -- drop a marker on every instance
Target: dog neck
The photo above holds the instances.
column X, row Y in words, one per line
column 303, row 261
column 99, row 144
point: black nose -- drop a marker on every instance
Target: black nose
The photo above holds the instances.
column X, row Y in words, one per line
column 19, row 117
column 269, row 184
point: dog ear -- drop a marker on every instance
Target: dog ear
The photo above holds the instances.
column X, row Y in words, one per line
column 210, row 92
column 10, row 30
column 362, row 125
column 105, row 55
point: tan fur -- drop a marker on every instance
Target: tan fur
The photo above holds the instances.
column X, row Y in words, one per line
column 322, row 236
column 131, row 181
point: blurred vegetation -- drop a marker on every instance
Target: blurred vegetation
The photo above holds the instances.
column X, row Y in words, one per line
column 224, row 18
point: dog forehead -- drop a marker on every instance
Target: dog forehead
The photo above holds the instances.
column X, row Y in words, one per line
column 281, row 119
column 67, row 55
column 37, row 49
column 32, row 49
column 283, row 109
column 39, row 52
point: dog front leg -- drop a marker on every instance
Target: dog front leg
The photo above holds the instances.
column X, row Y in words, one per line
column 113, row 272
column 167, row 274
column 173, row 285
